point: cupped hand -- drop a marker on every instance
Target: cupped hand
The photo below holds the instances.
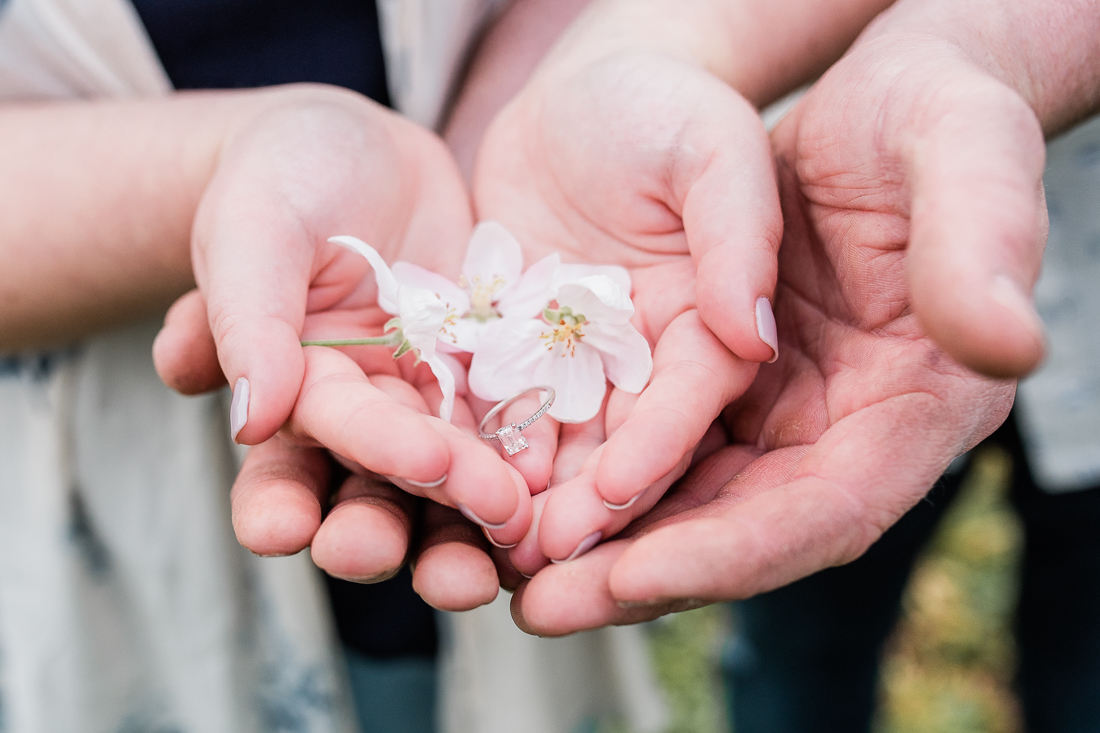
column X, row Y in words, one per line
column 325, row 162
column 648, row 162
column 905, row 170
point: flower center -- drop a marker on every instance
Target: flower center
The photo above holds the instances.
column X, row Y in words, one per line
column 481, row 297
column 565, row 329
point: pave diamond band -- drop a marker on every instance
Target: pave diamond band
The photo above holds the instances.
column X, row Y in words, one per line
column 510, row 436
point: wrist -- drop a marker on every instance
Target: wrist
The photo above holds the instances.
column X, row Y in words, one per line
column 763, row 49
column 1045, row 52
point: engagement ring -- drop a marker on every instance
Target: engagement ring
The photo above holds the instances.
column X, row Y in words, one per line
column 510, row 435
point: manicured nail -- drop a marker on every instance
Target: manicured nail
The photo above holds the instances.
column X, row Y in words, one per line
column 765, row 326
column 238, row 409
column 627, row 505
column 466, row 512
column 586, row 544
column 398, row 481
column 526, row 575
column 494, row 543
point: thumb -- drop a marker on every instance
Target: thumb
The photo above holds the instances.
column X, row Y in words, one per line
column 734, row 225
column 253, row 263
column 978, row 227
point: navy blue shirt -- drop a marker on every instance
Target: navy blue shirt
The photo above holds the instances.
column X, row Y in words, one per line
column 231, row 44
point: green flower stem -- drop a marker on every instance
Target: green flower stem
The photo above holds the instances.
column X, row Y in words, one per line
column 376, row 341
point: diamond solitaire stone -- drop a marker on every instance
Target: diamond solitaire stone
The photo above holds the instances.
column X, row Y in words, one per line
column 512, row 439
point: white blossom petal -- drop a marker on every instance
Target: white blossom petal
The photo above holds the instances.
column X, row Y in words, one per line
column 458, row 371
column 626, row 357
column 598, row 298
column 575, row 271
column 578, row 381
column 467, row 333
column 446, row 385
column 492, row 252
column 506, row 358
column 387, row 283
column 422, row 316
column 527, row 298
column 452, row 296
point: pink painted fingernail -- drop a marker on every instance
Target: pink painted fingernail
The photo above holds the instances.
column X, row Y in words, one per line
column 765, row 326
column 627, row 505
column 238, row 409
column 586, row 544
column 526, row 575
column 466, row 512
column 494, row 543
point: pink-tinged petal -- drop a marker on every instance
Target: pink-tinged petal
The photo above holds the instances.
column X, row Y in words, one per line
column 449, row 292
column 528, row 297
column 627, row 360
column 458, row 371
column 467, row 333
column 422, row 316
column 446, row 381
column 492, row 252
column 387, row 283
column 577, row 379
column 507, row 354
column 598, row 298
column 575, row 271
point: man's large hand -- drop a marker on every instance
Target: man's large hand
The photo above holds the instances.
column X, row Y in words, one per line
column 903, row 152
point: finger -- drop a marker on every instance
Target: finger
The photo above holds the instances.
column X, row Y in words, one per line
column 365, row 536
column 798, row 510
column 341, row 409
column 733, row 224
column 576, row 518
column 527, row 557
column 452, row 568
column 537, row 606
column 278, row 495
column 535, row 462
column 694, row 378
column 253, row 265
column 482, row 488
column 382, row 424
column 184, row 352
column 978, row 225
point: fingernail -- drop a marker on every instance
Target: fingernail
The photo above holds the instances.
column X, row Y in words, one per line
column 478, row 520
column 620, row 507
column 494, row 543
column 397, row 481
column 238, row 409
column 765, row 326
column 586, row 544
column 1008, row 293
column 526, row 575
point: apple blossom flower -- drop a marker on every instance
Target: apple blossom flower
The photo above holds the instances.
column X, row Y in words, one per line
column 422, row 320
column 582, row 339
column 492, row 284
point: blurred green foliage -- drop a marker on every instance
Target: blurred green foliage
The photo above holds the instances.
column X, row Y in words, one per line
column 950, row 663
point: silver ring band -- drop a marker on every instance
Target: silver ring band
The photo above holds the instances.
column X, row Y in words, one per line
column 509, row 435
